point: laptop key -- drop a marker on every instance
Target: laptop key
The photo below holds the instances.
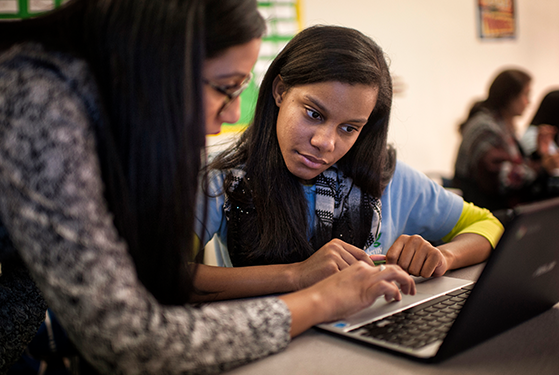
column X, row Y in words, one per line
column 420, row 325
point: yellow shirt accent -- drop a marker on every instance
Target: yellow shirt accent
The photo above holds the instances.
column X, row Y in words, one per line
column 195, row 249
column 477, row 220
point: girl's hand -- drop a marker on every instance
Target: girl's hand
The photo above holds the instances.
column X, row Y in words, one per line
column 546, row 134
column 333, row 257
column 418, row 257
column 346, row 293
column 550, row 163
column 360, row 285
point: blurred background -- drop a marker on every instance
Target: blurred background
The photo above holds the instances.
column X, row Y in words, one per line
column 439, row 61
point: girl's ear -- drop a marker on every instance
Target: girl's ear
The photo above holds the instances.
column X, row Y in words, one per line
column 278, row 89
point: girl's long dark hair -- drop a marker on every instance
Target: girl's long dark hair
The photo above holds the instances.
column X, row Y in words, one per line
column 548, row 111
column 506, row 86
column 147, row 58
column 317, row 54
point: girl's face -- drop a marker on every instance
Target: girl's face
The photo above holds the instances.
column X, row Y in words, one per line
column 224, row 76
column 318, row 123
column 518, row 105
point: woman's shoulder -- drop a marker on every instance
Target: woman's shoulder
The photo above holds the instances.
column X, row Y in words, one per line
column 31, row 73
column 32, row 60
column 51, row 89
column 482, row 121
column 47, row 110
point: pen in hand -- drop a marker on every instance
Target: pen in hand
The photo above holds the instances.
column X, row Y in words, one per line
column 378, row 259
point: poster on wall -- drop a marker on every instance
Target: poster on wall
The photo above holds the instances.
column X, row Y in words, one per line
column 283, row 21
column 496, row 19
column 18, row 9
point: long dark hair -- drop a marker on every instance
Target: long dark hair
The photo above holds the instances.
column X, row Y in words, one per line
column 506, row 86
column 316, row 54
column 147, row 58
column 548, row 111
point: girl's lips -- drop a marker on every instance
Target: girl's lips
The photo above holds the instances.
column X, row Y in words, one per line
column 312, row 162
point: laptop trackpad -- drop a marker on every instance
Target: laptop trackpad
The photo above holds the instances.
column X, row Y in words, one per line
column 426, row 289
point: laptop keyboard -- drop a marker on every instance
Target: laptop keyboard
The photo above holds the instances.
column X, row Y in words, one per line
column 419, row 325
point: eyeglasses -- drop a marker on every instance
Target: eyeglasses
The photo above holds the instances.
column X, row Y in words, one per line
column 230, row 93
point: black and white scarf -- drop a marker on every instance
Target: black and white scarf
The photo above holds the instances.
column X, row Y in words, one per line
column 342, row 211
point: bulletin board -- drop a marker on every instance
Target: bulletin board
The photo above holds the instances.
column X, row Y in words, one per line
column 15, row 9
column 283, row 19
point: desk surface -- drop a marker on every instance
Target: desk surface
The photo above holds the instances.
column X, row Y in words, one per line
column 530, row 348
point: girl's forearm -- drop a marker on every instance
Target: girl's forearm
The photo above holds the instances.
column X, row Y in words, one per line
column 220, row 283
column 466, row 249
column 306, row 310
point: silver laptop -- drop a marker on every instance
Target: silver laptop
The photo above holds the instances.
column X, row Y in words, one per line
column 449, row 315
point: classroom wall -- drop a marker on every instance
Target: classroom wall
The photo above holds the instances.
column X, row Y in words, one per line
column 435, row 52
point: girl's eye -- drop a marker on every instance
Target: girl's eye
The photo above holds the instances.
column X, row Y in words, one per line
column 349, row 129
column 313, row 114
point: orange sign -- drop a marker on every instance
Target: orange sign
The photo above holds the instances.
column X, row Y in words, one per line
column 497, row 19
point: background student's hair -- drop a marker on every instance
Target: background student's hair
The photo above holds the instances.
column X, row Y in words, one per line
column 317, row 54
column 548, row 111
column 506, row 86
column 150, row 121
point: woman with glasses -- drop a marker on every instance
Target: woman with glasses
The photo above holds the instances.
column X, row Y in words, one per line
column 311, row 186
column 230, row 92
column 101, row 110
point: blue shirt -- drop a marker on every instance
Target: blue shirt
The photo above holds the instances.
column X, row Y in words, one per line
column 411, row 204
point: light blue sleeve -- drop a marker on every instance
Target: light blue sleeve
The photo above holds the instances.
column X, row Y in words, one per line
column 414, row 204
column 216, row 222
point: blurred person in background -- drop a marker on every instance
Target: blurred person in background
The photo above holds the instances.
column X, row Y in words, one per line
column 491, row 168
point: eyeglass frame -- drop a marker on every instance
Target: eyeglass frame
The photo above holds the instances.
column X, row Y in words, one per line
column 229, row 95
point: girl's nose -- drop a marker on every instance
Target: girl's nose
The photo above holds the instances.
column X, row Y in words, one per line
column 324, row 138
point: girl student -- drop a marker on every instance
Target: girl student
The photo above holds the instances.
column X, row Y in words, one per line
column 312, row 187
column 102, row 111
column 542, row 134
column 491, row 168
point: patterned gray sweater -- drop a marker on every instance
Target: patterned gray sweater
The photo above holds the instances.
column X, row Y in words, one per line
column 52, row 205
